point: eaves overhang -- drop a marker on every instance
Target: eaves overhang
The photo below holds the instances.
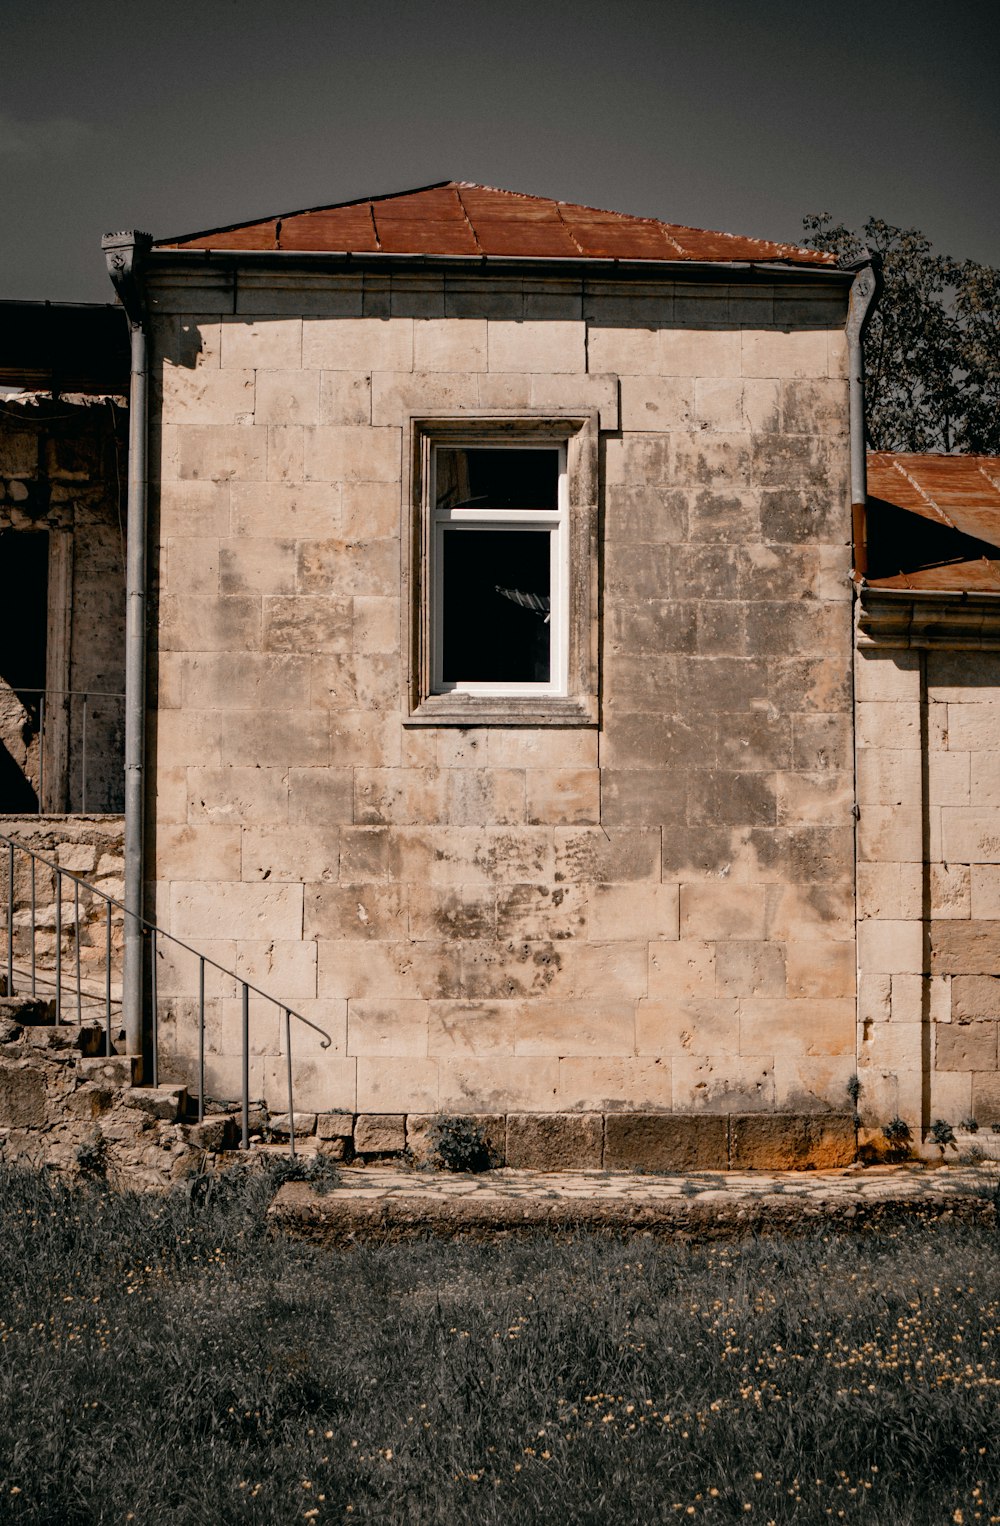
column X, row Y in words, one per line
column 316, row 261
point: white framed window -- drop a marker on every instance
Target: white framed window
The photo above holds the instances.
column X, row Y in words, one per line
column 503, row 571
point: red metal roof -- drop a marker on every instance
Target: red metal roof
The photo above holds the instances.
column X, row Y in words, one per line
column 962, row 492
column 961, row 495
column 459, row 218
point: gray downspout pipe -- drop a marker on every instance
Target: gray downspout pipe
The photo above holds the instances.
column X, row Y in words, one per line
column 124, row 252
column 865, row 290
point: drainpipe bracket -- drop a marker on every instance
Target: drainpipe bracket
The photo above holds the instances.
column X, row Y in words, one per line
column 125, row 254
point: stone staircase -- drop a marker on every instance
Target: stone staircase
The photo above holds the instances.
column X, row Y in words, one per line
column 64, row 1102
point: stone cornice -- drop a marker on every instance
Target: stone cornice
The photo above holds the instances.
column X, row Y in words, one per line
column 896, row 617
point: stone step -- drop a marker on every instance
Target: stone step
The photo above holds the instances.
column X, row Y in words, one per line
column 81, row 1038
column 164, row 1102
column 116, row 1070
column 29, row 1011
column 216, row 1131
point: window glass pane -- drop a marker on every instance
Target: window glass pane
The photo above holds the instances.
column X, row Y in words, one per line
column 496, row 606
column 497, row 479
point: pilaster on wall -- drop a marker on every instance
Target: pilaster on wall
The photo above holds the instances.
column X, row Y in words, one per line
column 895, row 990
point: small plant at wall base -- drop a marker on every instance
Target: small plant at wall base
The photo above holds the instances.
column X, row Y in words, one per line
column 459, row 1144
column 897, row 1131
column 970, row 1125
column 942, row 1133
column 92, row 1157
column 854, row 1090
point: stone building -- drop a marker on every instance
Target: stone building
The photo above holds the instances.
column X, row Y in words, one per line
column 502, row 664
column 928, row 785
column 530, row 702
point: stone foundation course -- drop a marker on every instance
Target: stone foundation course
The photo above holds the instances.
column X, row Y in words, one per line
column 65, row 1102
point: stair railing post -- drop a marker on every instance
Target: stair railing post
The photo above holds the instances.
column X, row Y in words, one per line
column 34, row 921
column 246, row 1068
column 201, row 1039
column 107, row 978
column 288, row 1061
column 10, row 919
column 155, row 1015
column 83, row 759
column 59, row 875
column 76, row 916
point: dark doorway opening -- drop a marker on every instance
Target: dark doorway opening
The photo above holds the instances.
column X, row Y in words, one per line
column 24, row 603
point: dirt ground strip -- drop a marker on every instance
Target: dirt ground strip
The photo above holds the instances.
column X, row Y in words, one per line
column 387, row 1203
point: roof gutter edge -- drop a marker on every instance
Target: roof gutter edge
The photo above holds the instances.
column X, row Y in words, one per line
column 346, row 257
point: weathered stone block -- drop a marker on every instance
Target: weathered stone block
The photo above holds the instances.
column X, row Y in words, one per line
column 892, row 947
column 965, row 948
column 538, row 346
column 352, row 453
column 591, row 1027
column 380, row 1134
column 28, row 1012
column 280, row 1125
column 768, row 353
column 789, row 1142
column 214, row 453
column 563, row 796
column 214, row 1132
column 116, row 1071
column 722, row 911
column 624, row 1083
column 88, row 1102
column 965, row 1046
column 821, row 969
column 665, row 1142
column 22, row 1097
column 166, row 1102
column 335, row 1125
column 975, row 998
column 357, row 344
column 986, row 1097
column 638, row 911
column 748, row 968
column 555, row 1141
column 395, row 1028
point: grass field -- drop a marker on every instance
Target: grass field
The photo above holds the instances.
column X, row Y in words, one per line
column 163, row 1360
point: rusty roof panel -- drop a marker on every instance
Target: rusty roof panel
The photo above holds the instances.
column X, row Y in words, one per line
column 258, row 236
column 607, row 240
column 961, row 492
column 519, row 238
column 341, row 228
column 399, row 237
column 438, row 203
column 979, row 576
column 446, row 218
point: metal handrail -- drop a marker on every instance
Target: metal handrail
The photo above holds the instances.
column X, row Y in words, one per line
column 13, row 846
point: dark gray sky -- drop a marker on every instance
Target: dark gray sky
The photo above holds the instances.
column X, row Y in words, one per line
column 718, row 113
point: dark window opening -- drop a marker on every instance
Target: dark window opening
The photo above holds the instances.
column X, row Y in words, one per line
column 496, row 583
column 497, row 479
column 24, row 569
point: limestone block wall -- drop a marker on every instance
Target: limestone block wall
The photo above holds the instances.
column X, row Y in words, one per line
column 653, row 914
column 929, row 884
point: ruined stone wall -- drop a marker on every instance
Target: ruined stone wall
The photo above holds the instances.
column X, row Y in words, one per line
column 63, row 469
column 929, row 885
column 92, row 849
column 652, row 915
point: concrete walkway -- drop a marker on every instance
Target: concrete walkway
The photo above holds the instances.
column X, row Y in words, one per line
column 391, row 1203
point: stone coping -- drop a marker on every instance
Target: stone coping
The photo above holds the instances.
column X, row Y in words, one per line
column 387, row 1202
